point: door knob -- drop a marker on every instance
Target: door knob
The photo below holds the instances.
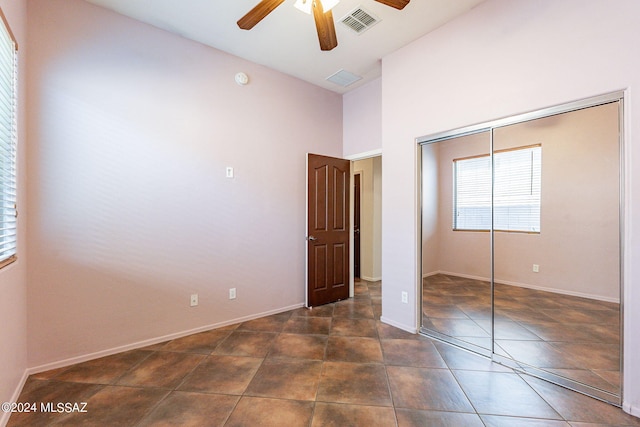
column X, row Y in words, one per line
column 312, row 239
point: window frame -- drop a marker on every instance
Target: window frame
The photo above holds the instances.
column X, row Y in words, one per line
column 8, row 147
column 491, row 195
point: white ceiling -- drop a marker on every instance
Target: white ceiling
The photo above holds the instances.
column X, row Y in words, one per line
column 286, row 40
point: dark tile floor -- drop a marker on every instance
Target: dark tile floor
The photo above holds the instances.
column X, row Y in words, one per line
column 335, row 365
column 577, row 338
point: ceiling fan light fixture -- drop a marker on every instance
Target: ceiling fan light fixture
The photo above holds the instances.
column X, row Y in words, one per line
column 322, row 15
column 305, row 5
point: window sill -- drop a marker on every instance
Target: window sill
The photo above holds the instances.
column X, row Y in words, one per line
column 8, row 261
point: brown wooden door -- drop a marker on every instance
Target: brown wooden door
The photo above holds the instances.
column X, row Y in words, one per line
column 327, row 230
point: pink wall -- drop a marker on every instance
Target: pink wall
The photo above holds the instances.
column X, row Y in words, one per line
column 525, row 56
column 445, row 250
column 362, row 119
column 131, row 129
column 13, row 279
column 577, row 249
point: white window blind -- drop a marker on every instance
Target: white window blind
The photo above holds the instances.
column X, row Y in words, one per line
column 517, row 182
column 472, row 198
column 8, row 139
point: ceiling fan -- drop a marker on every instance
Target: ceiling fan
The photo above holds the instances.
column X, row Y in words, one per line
column 324, row 18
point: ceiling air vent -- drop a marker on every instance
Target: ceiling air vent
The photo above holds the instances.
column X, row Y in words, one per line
column 343, row 78
column 359, row 20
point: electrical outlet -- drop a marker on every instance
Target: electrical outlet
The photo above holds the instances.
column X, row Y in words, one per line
column 405, row 297
column 232, row 293
column 194, row 300
column 536, row 268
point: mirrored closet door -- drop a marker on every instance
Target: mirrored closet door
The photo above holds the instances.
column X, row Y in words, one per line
column 521, row 242
column 456, row 266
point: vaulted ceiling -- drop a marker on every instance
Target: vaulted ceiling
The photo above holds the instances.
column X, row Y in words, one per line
column 286, row 40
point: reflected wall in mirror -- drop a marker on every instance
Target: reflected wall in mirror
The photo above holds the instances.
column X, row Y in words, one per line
column 456, row 263
column 521, row 250
column 557, row 290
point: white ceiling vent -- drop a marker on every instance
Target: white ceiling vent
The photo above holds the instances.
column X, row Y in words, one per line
column 343, row 78
column 360, row 20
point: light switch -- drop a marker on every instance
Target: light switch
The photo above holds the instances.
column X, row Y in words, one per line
column 229, row 172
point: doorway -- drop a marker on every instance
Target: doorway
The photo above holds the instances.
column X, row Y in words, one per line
column 367, row 215
column 368, row 169
column 323, row 275
column 356, row 224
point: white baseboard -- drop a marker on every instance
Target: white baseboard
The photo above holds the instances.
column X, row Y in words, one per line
column 4, row 416
column 370, row 279
column 433, row 273
column 528, row 286
column 464, row 276
column 410, row 329
column 140, row 344
column 561, row 291
column 629, row 409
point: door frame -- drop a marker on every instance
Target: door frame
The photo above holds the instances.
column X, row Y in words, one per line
column 352, row 158
column 358, row 173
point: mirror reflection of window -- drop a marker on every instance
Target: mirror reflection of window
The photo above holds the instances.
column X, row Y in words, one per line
column 516, row 191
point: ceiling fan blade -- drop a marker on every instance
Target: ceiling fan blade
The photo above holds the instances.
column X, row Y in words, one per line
column 258, row 13
column 398, row 4
column 325, row 27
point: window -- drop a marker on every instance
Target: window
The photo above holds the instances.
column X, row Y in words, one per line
column 8, row 138
column 516, row 191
